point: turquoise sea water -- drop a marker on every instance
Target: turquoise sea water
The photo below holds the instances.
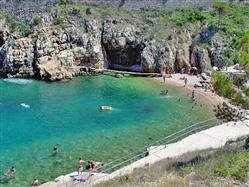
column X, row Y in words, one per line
column 37, row 116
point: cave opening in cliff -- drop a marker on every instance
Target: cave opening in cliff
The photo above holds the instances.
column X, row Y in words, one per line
column 128, row 59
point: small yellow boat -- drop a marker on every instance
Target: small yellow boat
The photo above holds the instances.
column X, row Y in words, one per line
column 105, row 108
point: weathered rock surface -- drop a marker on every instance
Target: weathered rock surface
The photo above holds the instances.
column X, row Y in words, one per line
column 19, row 57
column 58, row 51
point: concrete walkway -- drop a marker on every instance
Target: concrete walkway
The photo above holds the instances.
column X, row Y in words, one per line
column 213, row 138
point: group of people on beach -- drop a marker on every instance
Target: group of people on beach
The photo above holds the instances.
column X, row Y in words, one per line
column 92, row 165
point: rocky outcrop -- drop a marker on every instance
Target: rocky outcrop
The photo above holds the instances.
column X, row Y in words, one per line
column 57, row 50
column 123, row 45
column 19, row 57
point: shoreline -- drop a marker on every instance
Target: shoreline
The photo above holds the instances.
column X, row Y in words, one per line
column 204, row 141
column 211, row 97
column 208, row 97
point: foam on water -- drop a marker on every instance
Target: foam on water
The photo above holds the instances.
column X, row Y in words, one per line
column 25, row 105
column 18, row 81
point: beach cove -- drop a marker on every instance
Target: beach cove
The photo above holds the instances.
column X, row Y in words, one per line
column 66, row 114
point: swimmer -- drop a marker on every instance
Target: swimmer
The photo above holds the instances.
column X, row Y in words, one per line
column 55, row 150
column 10, row 172
column 179, row 100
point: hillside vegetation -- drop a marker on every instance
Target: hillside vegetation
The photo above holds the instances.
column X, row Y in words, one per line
column 224, row 168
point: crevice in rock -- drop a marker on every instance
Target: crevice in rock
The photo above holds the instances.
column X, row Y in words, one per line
column 1, row 55
column 125, row 59
column 34, row 63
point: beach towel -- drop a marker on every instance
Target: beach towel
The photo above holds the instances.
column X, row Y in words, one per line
column 84, row 177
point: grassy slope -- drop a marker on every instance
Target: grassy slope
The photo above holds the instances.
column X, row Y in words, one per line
column 224, row 168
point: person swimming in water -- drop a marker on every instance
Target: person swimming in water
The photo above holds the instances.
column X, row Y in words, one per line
column 164, row 92
column 55, row 150
column 11, row 172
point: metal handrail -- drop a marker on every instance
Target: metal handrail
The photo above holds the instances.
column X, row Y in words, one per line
column 173, row 137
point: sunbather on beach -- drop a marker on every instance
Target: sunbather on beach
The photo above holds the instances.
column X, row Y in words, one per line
column 94, row 165
column 80, row 166
column 35, row 183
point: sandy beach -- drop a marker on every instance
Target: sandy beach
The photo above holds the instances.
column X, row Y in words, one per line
column 200, row 93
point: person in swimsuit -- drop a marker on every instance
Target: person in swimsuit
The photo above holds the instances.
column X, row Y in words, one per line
column 80, row 166
column 35, row 182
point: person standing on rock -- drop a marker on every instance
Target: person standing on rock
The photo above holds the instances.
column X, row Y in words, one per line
column 80, row 166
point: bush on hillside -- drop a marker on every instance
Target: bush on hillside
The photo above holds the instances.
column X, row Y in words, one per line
column 37, row 20
column 64, row 2
column 15, row 25
column 222, row 84
column 58, row 21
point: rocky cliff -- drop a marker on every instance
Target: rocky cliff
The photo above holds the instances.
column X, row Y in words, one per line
column 68, row 37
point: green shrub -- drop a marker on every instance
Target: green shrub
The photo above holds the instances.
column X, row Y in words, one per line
column 58, row 21
column 221, row 172
column 222, row 84
column 239, row 173
column 238, row 81
column 238, row 98
column 195, row 15
column 236, row 166
column 229, row 91
column 88, row 11
column 64, row 2
column 15, row 25
column 37, row 20
column 247, row 92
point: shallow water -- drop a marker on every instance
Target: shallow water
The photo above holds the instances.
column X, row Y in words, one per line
column 36, row 116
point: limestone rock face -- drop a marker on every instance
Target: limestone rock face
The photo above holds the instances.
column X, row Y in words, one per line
column 167, row 58
column 123, row 45
column 200, row 59
column 54, row 52
column 53, row 71
column 19, row 58
column 182, row 56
